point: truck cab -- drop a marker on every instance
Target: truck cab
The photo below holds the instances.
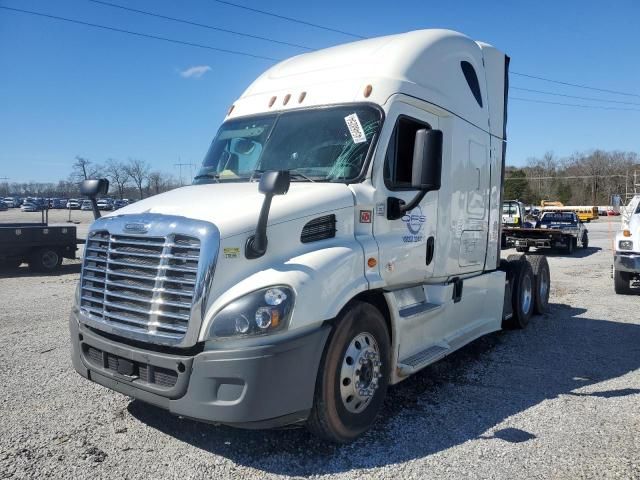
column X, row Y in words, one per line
column 513, row 213
column 342, row 233
column 626, row 259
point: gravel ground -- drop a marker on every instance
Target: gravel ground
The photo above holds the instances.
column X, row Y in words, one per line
column 560, row 399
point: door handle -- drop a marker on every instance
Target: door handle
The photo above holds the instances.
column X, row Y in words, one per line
column 430, row 248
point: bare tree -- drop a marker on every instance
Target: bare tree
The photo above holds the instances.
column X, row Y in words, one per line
column 138, row 170
column 84, row 168
column 118, row 175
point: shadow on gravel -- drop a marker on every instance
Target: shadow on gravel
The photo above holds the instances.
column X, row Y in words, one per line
column 25, row 271
column 460, row 398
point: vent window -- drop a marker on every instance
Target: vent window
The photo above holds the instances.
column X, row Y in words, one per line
column 472, row 80
column 319, row 228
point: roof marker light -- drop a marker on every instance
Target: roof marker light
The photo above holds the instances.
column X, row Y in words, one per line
column 626, row 233
column 301, row 97
column 367, row 91
column 272, row 101
column 286, row 99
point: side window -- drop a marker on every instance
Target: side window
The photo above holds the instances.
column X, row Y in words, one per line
column 398, row 163
column 472, row 80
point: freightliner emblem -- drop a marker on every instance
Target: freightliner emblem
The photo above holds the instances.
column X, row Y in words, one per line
column 136, row 227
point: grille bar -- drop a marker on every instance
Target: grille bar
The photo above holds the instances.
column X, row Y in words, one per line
column 141, row 284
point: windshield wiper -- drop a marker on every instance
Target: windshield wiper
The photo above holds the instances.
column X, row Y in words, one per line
column 296, row 173
column 292, row 172
column 215, row 176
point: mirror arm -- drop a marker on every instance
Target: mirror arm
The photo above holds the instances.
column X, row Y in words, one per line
column 256, row 245
column 94, row 206
column 397, row 207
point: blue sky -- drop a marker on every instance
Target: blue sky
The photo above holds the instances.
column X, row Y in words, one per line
column 68, row 90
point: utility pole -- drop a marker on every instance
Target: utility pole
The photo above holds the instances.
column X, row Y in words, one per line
column 180, row 165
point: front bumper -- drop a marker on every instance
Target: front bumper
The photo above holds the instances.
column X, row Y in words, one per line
column 263, row 386
column 627, row 262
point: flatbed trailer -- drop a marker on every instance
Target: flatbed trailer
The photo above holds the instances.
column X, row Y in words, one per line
column 39, row 244
column 525, row 238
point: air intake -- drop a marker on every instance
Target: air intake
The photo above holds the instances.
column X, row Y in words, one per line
column 319, row 229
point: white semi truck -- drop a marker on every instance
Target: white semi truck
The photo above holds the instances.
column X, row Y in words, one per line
column 626, row 259
column 342, row 234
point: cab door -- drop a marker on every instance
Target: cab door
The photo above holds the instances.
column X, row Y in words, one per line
column 406, row 245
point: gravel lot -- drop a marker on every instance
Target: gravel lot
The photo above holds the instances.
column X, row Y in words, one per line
column 560, row 399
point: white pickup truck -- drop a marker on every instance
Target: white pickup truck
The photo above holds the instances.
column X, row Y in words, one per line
column 626, row 260
column 342, row 234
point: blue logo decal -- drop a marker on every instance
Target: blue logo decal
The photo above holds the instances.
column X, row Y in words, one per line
column 414, row 220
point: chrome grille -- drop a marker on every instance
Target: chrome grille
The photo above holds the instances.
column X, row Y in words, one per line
column 141, row 284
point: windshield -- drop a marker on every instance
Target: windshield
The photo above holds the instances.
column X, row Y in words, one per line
column 509, row 208
column 322, row 144
column 558, row 218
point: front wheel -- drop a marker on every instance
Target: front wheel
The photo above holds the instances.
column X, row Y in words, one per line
column 569, row 246
column 353, row 376
column 621, row 282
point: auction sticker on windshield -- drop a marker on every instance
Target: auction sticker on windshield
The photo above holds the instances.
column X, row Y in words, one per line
column 355, row 128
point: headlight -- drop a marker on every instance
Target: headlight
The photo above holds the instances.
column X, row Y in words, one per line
column 261, row 312
column 625, row 245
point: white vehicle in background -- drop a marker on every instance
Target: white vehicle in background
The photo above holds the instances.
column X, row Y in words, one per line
column 513, row 213
column 73, row 204
column 105, row 204
column 626, row 260
column 10, row 202
column 300, row 276
column 86, row 205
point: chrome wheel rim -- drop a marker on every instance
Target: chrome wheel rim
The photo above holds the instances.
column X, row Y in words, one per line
column 526, row 294
column 360, row 372
column 544, row 287
column 49, row 259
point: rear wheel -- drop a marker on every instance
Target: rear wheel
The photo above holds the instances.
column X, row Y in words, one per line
column 353, row 376
column 522, row 282
column 45, row 260
column 542, row 282
column 621, row 282
column 585, row 240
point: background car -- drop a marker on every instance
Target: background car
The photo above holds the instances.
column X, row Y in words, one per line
column 10, row 202
column 105, row 204
column 30, row 207
column 3, row 206
column 73, row 204
column 86, row 205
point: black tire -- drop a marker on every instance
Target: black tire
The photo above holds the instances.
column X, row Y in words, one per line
column 542, row 282
column 522, row 249
column 330, row 419
column 522, row 281
column 621, row 282
column 585, row 240
column 569, row 247
column 45, row 260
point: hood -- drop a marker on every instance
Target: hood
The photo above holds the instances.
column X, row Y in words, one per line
column 234, row 207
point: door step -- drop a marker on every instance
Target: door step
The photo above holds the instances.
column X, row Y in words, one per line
column 421, row 359
column 418, row 309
